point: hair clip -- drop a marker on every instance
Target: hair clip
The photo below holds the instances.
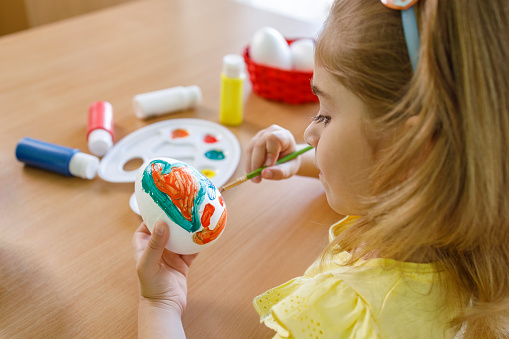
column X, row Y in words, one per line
column 410, row 28
column 399, row 4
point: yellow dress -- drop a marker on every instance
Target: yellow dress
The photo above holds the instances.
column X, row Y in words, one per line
column 376, row 298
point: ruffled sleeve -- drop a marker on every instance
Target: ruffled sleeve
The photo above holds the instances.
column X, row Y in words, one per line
column 320, row 307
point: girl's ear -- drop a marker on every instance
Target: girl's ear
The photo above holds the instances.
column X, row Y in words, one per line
column 411, row 122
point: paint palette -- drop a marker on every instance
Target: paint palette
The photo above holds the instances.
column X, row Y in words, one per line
column 210, row 148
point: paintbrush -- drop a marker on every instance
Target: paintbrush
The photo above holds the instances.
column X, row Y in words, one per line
column 257, row 172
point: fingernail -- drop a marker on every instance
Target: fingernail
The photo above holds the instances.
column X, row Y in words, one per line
column 267, row 174
column 159, row 229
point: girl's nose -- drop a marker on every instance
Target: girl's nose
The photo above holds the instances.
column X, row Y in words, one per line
column 311, row 135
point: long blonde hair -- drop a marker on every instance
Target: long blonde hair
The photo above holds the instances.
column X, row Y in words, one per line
column 441, row 187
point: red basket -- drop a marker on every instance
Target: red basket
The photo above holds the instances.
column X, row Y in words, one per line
column 292, row 87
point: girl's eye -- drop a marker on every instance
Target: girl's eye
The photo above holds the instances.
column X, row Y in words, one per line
column 321, row 119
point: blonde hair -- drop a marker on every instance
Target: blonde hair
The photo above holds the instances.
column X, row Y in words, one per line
column 441, row 187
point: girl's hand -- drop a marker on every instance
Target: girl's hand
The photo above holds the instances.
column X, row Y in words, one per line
column 266, row 148
column 162, row 274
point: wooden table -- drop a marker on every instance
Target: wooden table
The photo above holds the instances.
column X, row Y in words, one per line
column 66, row 265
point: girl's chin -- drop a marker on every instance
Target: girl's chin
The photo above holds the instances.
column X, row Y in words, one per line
column 338, row 206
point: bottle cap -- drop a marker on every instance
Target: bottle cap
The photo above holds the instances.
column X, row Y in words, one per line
column 99, row 142
column 233, row 66
column 194, row 95
column 83, row 165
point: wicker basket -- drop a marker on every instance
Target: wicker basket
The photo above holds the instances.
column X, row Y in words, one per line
column 292, row 87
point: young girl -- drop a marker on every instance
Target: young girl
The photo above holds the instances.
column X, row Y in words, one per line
column 411, row 138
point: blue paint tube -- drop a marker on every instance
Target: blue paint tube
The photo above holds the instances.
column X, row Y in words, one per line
column 56, row 158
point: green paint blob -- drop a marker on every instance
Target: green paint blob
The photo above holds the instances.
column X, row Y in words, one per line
column 215, row 154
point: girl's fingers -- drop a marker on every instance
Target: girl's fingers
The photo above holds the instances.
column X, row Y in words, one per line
column 189, row 258
column 265, row 153
column 249, row 151
column 140, row 238
column 278, row 172
column 266, row 148
column 143, row 229
column 274, row 145
column 254, row 147
column 155, row 246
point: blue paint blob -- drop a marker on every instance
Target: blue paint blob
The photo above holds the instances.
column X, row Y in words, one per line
column 215, row 154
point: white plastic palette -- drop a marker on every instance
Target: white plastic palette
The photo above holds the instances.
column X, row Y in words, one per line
column 207, row 146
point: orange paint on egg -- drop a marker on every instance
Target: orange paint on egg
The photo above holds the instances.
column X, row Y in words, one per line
column 207, row 214
column 207, row 235
column 179, row 185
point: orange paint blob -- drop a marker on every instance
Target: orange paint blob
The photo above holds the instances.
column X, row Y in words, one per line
column 207, row 214
column 179, row 185
column 206, row 235
column 179, row 133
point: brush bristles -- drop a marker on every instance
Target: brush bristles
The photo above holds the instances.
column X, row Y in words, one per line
column 233, row 184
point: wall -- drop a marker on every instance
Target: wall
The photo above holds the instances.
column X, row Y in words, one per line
column 16, row 15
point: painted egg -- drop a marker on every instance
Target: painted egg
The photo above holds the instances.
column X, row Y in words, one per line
column 176, row 193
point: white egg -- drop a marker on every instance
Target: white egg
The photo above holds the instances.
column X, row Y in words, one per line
column 269, row 47
column 176, row 193
column 303, row 54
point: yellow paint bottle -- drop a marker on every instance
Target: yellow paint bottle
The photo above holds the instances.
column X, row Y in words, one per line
column 231, row 108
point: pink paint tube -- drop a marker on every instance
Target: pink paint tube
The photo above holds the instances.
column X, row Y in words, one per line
column 100, row 127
